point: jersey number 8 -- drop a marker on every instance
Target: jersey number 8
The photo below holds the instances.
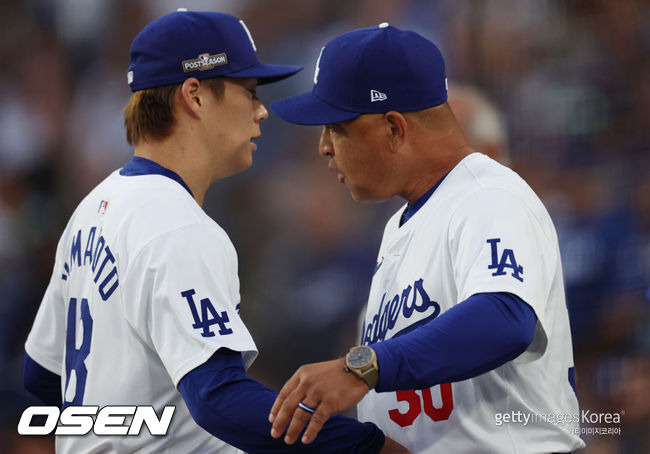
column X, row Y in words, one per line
column 75, row 357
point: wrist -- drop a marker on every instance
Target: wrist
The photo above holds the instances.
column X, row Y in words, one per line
column 362, row 362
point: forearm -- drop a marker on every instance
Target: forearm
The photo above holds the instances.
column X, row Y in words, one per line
column 474, row 337
column 41, row 382
column 234, row 408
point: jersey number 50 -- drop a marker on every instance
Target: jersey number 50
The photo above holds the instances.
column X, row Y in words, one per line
column 416, row 405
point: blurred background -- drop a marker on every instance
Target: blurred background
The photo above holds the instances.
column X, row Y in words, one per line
column 558, row 90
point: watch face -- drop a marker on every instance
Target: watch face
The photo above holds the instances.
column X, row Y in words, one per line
column 360, row 356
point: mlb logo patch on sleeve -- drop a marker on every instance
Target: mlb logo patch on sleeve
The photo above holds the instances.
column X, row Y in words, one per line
column 103, row 205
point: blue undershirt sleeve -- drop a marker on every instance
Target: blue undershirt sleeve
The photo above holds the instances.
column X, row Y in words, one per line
column 224, row 401
column 475, row 336
column 41, row 382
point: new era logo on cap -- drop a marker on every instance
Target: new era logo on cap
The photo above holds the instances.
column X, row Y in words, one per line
column 377, row 96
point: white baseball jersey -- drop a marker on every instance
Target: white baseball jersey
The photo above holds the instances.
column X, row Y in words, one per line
column 482, row 230
column 144, row 289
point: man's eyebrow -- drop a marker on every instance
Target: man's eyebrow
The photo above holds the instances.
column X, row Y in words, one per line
column 338, row 125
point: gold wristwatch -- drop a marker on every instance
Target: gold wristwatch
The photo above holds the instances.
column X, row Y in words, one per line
column 362, row 361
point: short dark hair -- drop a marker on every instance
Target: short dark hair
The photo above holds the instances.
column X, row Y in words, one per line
column 149, row 115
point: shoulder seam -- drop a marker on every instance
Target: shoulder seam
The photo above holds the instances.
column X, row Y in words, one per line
column 510, row 193
column 148, row 243
column 174, row 230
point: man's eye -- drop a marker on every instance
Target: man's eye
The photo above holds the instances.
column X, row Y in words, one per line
column 335, row 129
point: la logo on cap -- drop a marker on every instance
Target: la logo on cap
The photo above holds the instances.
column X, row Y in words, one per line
column 317, row 70
column 377, row 96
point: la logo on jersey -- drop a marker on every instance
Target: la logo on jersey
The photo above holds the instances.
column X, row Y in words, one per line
column 377, row 96
column 204, row 322
column 507, row 260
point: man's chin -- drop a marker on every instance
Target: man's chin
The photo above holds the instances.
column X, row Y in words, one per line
column 359, row 195
column 244, row 166
column 366, row 196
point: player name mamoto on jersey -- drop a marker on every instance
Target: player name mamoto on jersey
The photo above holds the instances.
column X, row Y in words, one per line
column 95, row 257
column 413, row 300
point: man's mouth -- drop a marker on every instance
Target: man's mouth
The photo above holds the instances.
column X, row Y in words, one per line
column 253, row 139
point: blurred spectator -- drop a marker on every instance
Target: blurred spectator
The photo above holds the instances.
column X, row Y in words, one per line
column 481, row 121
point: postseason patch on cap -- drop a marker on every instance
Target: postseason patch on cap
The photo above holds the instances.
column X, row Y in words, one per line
column 204, row 62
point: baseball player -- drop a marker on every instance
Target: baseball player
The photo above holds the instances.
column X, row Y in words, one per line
column 465, row 343
column 143, row 304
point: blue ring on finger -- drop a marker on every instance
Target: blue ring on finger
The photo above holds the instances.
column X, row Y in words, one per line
column 307, row 408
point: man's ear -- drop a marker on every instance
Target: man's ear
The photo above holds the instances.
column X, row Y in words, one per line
column 190, row 97
column 396, row 128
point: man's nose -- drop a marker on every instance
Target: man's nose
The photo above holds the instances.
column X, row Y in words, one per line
column 325, row 147
column 261, row 113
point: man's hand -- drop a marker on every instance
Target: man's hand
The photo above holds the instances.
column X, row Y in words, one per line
column 325, row 387
column 393, row 447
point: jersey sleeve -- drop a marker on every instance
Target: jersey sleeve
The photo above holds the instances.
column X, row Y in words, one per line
column 181, row 295
column 46, row 340
column 498, row 244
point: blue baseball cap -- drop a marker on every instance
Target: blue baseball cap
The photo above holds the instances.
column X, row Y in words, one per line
column 198, row 44
column 370, row 70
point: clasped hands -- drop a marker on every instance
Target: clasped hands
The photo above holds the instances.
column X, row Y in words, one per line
column 327, row 389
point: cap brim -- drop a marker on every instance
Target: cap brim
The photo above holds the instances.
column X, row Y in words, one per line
column 265, row 74
column 308, row 109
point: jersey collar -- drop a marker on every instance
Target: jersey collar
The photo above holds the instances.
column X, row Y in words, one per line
column 414, row 207
column 143, row 166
